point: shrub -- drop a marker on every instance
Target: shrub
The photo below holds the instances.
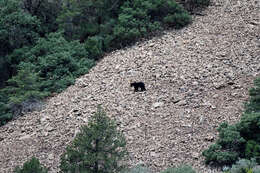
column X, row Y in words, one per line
column 244, row 166
column 252, row 149
column 118, row 23
column 254, row 104
column 32, row 166
column 180, row 169
column 215, row 154
column 138, row 18
column 56, row 61
column 49, row 66
column 97, row 148
column 241, row 140
column 5, row 113
column 94, row 46
column 24, row 86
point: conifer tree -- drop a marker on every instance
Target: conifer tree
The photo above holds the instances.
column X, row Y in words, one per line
column 97, row 148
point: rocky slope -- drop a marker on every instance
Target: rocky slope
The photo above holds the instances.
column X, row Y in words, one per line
column 196, row 78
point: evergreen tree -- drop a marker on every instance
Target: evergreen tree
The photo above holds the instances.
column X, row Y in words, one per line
column 98, row 148
column 17, row 28
column 32, row 166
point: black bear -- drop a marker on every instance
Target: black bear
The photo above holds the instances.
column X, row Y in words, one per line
column 138, row 85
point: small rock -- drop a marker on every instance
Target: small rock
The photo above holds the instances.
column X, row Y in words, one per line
column 231, row 83
column 49, row 129
column 219, row 85
column 151, row 44
column 22, row 130
column 153, row 154
column 215, row 96
column 157, row 104
column 25, row 137
column 181, row 103
column 195, row 155
column 236, row 86
column 209, row 138
column 207, row 104
column 213, row 107
column 176, row 99
column 202, row 119
column 50, row 156
column 234, row 94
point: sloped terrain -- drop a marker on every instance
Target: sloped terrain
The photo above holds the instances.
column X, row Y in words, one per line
column 196, row 78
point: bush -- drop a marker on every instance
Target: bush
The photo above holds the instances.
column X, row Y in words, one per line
column 241, row 140
column 215, row 154
column 138, row 18
column 97, row 148
column 180, row 169
column 120, row 23
column 252, row 149
column 32, row 166
column 244, row 166
column 56, row 61
column 49, row 66
column 94, row 46
column 254, row 104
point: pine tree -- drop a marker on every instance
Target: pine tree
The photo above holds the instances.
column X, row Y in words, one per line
column 97, row 148
column 31, row 166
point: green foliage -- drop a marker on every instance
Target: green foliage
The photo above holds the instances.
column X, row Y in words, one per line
column 5, row 112
column 241, row 140
column 118, row 23
column 244, row 166
column 46, row 11
column 49, row 66
column 249, row 126
column 254, row 104
column 85, row 18
column 217, row 155
column 229, row 137
column 98, row 147
column 17, row 29
column 138, row 18
column 25, row 85
column 94, row 46
column 32, row 166
column 56, row 61
column 180, row 169
column 252, row 149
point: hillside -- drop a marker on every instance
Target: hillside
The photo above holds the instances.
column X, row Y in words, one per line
column 196, row 78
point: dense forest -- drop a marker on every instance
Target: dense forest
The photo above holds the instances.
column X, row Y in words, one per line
column 45, row 44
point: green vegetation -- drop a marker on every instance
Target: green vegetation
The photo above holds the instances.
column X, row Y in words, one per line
column 98, row 147
column 31, row 166
column 244, row 166
column 241, row 140
column 46, row 44
column 180, row 169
